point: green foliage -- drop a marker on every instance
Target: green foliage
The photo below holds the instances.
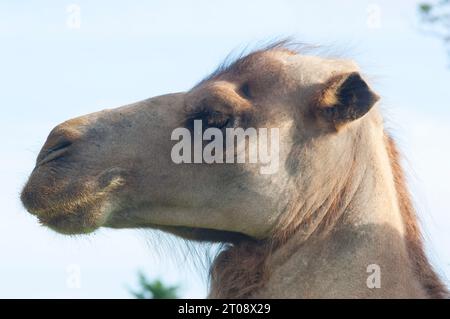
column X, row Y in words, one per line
column 435, row 12
column 154, row 289
column 425, row 8
column 435, row 17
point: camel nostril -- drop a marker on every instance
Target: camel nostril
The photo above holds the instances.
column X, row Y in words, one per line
column 59, row 141
column 56, row 150
column 59, row 146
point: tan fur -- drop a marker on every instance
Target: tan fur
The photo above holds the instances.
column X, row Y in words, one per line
column 337, row 204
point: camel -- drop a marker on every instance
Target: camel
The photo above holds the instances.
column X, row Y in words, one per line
column 334, row 221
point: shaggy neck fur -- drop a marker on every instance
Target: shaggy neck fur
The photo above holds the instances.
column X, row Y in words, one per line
column 367, row 219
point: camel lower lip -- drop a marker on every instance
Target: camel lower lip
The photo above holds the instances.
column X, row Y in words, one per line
column 69, row 225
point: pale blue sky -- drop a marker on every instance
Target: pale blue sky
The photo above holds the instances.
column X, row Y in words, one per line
column 127, row 51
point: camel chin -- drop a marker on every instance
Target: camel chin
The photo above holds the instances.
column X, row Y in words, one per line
column 74, row 223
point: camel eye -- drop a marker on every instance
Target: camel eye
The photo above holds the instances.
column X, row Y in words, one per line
column 211, row 119
column 217, row 120
column 245, row 90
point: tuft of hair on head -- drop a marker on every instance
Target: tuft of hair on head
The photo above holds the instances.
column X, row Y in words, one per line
column 240, row 56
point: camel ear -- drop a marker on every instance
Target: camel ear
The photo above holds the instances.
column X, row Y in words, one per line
column 346, row 97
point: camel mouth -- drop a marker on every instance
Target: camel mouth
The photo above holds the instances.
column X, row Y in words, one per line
column 70, row 207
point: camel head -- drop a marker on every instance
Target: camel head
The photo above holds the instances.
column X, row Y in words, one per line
column 116, row 168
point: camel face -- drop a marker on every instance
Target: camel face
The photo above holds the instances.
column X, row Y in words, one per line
column 114, row 168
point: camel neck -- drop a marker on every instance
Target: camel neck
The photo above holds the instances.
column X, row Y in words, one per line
column 362, row 242
column 356, row 250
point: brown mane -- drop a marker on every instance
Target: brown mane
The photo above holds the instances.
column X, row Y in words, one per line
column 413, row 237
